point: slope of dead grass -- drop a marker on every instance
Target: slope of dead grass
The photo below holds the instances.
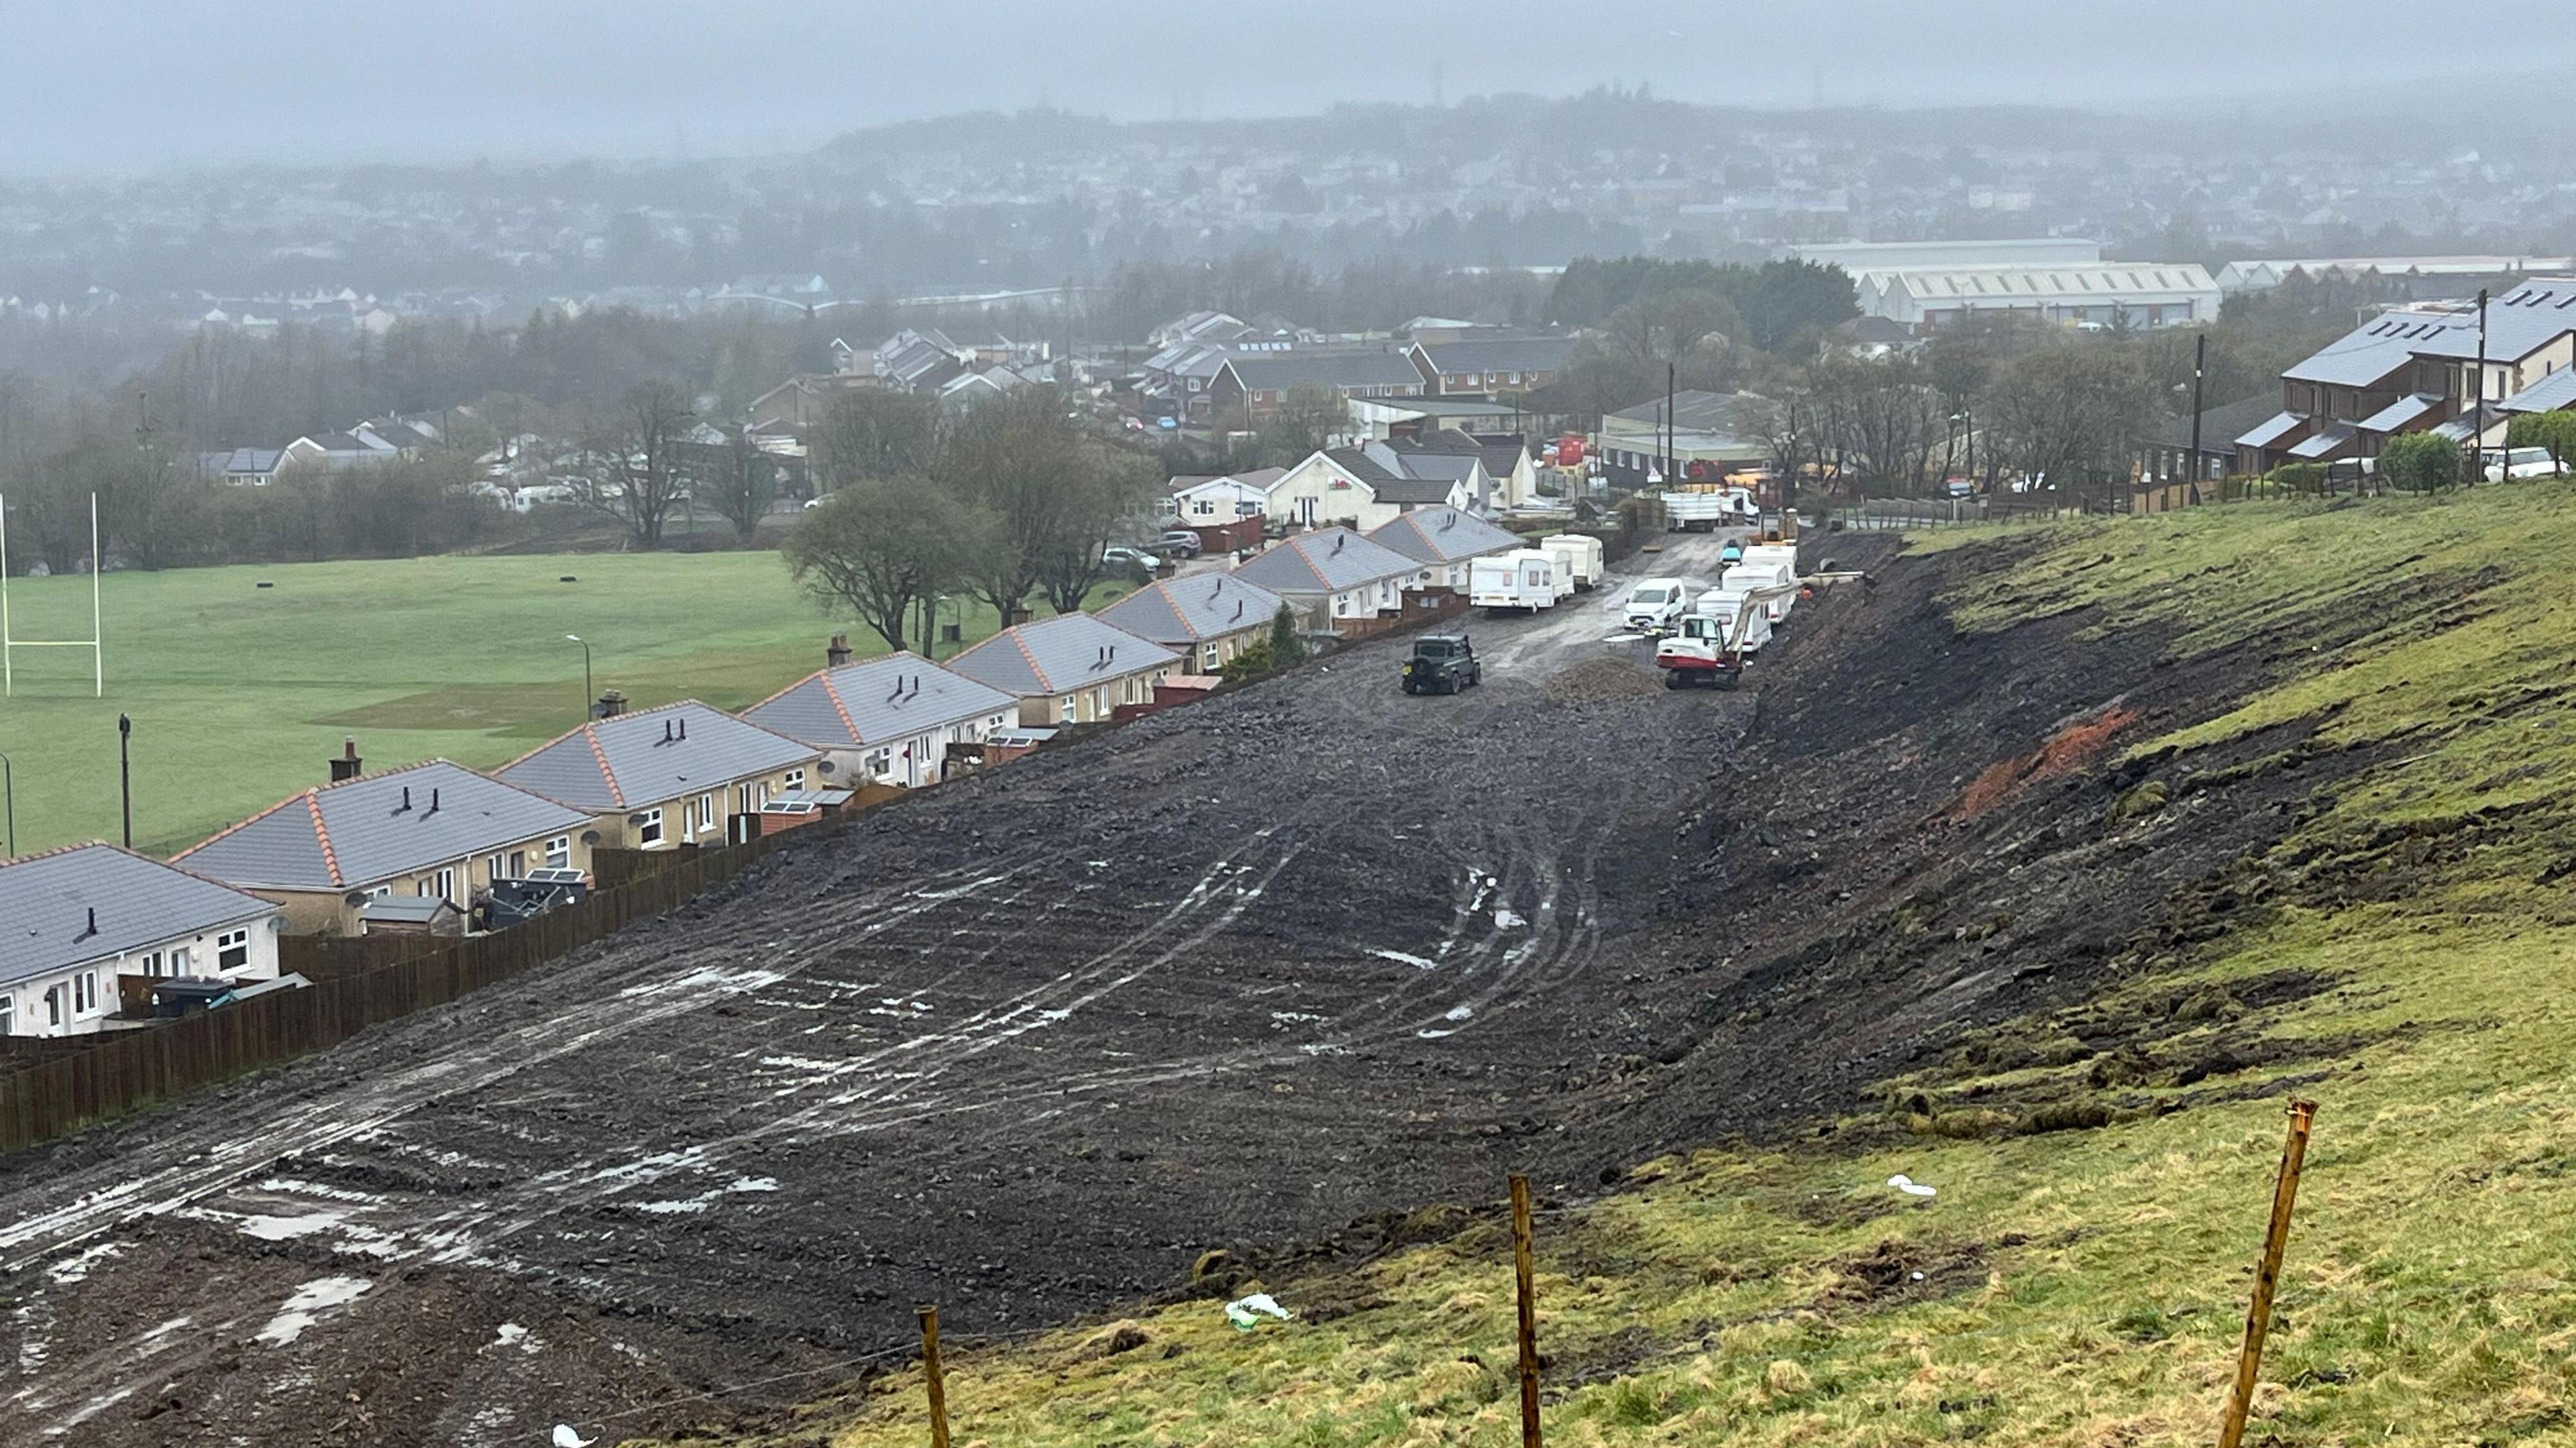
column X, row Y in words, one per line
column 2078, row 1286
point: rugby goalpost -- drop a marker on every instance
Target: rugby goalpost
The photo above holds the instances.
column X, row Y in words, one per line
column 10, row 643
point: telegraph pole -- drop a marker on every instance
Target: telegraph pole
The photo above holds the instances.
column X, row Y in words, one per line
column 2478, row 438
column 2199, row 369
column 125, row 771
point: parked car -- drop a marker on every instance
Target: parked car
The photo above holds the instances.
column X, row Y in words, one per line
column 1117, row 556
column 1178, row 543
column 1442, row 664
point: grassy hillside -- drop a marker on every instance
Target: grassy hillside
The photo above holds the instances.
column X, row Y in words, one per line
column 2402, row 958
column 238, row 693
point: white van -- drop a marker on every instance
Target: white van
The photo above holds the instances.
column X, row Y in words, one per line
column 1656, row 604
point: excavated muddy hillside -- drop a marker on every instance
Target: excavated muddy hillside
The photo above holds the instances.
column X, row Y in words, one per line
column 1277, row 969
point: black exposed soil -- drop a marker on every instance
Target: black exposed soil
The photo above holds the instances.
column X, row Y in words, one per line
column 1273, row 970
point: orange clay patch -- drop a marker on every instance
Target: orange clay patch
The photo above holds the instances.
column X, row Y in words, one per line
column 2066, row 751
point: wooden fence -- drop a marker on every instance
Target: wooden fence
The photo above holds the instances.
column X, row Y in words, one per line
column 53, row 1087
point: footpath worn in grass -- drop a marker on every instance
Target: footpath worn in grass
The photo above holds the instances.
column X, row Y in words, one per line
column 238, row 693
column 2077, row 1286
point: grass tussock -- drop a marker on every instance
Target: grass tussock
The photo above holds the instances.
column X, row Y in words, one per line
column 2080, row 1279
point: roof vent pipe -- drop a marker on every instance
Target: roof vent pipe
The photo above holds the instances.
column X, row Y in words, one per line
column 406, row 804
column 684, row 728
column 433, row 800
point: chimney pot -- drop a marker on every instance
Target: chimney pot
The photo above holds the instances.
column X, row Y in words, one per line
column 837, row 652
column 612, row 703
column 348, row 765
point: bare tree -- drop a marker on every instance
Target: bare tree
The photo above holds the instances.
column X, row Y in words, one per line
column 737, row 479
column 1010, row 455
column 885, row 547
column 2070, row 414
column 873, row 433
column 629, row 461
column 1104, row 490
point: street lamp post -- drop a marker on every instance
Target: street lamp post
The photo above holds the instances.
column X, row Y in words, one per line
column 125, row 771
column 586, row 694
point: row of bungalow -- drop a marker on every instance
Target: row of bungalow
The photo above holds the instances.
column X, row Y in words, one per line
column 439, row 848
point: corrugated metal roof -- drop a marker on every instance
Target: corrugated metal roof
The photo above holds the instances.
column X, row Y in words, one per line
column 875, row 701
column 2369, row 352
column 343, row 836
column 1443, row 535
column 2102, row 282
column 46, row 901
column 1181, row 611
column 652, row 755
column 1058, row 655
column 1326, row 560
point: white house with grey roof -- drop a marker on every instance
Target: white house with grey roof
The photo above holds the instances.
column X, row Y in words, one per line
column 1363, row 487
column 78, row 918
column 1443, row 540
column 887, row 720
column 657, row 779
column 1070, row 669
column 1332, row 575
column 434, row 828
column 1207, row 618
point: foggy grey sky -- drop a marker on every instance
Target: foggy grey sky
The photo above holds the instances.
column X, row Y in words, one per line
column 137, row 84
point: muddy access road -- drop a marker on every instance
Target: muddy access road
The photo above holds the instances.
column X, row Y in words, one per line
column 1232, row 977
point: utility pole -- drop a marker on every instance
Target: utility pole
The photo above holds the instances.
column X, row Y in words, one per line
column 1672, row 425
column 2478, row 437
column 2199, row 367
column 124, row 772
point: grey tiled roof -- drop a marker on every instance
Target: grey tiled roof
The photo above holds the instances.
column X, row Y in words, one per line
column 2399, row 413
column 1186, row 610
column 46, row 900
column 1326, row 560
column 2549, row 394
column 2376, row 348
column 1498, row 354
column 1443, row 535
column 1058, row 655
column 342, row 836
column 2519, row 323
column 1279, row 371
column 2281, row 425
column 875, row 700
column 654, row 755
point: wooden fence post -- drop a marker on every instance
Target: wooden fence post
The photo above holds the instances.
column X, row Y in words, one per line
column 2258, row 1320
column 930, row 1376
column 1528, row 1310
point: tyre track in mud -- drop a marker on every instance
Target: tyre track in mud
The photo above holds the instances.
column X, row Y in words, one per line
column 1238, row 974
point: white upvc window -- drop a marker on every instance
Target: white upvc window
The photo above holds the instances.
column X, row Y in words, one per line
column 1207, row 658
column 8, row 1014
column 559, row 853
column 232, row 950
column 795, row 779
column 491, row 868
column 151, row 963
column 648, row 831
column 85, row 993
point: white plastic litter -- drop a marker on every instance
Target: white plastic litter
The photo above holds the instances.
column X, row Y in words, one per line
column 565, row 1437
column 1911, row 1187
column 1246, row 1312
